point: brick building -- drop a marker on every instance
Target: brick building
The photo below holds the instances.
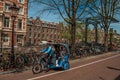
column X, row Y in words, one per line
column 100, row 35
column 38, row 30
column 6, row 22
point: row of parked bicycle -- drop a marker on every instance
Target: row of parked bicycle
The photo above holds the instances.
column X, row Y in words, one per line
column 28, row 59
column 86, row 49
column 21, row 60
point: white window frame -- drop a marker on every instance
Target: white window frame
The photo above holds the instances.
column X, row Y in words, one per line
column 19, row 38
column 21, row 10
column 7, row 22
column 18, row 27
column 6, row 7
column 5, row 38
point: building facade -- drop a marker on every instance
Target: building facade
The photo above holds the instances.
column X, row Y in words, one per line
column 38, row 30
column 100, row 35
column 6, row 22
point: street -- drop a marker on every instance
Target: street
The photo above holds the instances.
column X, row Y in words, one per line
column 82, row 37
column 101, row 67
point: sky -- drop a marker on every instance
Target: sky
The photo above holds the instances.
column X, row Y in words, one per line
column 34, row 11
column 49, row 17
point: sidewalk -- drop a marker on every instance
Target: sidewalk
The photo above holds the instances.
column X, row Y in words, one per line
column 13, row 71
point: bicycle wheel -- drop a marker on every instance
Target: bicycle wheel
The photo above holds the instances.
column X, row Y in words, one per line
column 6, row 65
column 37, row 68
column 19, row 64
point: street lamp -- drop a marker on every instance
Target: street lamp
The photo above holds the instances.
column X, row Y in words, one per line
column 14, row 11
column 1, row 15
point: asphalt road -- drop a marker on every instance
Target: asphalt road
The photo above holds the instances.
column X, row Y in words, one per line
column 101, row 67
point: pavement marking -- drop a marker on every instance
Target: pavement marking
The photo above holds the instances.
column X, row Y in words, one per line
column 73, row 68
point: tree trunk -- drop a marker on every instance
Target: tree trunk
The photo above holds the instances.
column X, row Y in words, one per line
column 106, row 41
column 73, row 29
column 86, row 32
column 96, row 33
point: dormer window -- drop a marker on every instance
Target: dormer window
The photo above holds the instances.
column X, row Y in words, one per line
column 21, row 1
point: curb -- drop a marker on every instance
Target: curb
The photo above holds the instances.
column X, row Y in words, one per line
column 12, row 71
column 7, row 72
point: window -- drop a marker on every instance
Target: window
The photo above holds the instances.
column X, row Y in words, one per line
column 19, row 38
column 51, row 36
column 42, row 35
column 5, row 38
column 34, row 35
column 44, row 25
column 30, row 35
column 21, row 1
column 21, row 10
column 7, row 7
column 47, row 30
column 38, row 35
column 6, row 22
column 29, row 40
column 19, row 24
column 58, row 37
column 29, row 29
column 54, row 36
column 42, row 30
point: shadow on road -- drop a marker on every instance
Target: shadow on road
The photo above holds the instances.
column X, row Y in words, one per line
column 101, row 78
column 113, row 68
column 58, row 69
column 117, row 78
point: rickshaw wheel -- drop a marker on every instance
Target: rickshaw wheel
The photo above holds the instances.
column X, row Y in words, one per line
column 37, row 68
column 66, row 66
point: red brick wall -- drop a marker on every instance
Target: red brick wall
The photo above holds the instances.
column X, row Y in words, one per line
column 50, row 32
column 19, row 16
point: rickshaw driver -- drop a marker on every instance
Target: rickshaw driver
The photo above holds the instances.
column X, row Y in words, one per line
column 47, row 53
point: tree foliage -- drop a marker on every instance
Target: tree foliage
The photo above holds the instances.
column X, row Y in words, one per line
column 106, row 11
column 71, row 9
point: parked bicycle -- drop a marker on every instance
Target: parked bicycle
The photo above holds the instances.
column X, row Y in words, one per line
column 6, row 62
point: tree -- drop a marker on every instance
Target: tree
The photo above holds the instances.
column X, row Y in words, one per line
column 80, row 30
column 106, row 11
column 71, row 9
column 65, row 33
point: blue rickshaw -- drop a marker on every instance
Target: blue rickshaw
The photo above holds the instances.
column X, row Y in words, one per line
column 62, row 60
